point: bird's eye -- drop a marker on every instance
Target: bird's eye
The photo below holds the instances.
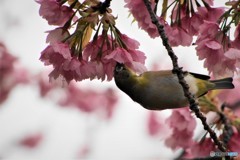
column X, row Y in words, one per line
column 119, row 68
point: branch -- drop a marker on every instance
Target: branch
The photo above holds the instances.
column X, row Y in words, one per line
column 228, row 130
column 177, row 70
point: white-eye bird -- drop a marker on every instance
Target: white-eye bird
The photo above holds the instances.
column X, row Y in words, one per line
column 158, row 90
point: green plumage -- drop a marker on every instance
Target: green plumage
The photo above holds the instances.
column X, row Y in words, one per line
column 157, row 90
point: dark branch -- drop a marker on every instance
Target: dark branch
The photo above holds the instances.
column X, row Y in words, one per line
column 177, row 70
column 228, row 130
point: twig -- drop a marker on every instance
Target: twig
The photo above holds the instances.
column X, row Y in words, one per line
column 177, row 70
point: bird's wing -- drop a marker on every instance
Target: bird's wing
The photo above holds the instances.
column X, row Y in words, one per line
column 200, row 76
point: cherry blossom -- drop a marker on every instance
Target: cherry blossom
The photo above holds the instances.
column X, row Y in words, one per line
column 231, row 96
column 140, row 13
column 235, row 42
column 89, row 100
column 234, row 144
column 210, row 48
column 156, row 125
column 57, row 35
column 178, row 36
column 200, row 149
column 54, row 12
column 11, row 73
column 179, row 130
column 31, row 141
column 210, row 14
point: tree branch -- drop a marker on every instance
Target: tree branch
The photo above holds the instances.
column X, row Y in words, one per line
column 177, row 70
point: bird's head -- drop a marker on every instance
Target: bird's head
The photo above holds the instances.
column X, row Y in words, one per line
column 125, row 78
column 121, row 72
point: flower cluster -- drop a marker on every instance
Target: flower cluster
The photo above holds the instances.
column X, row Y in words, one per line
column 102, row 102
column 90, row 101
column 10, row 74
column 179, row 130
column 140, row 13
column 71, row 53
column 198, row 18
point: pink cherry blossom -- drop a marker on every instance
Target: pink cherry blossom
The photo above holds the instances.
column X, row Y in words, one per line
column 97, row 48
column 123, row 56
column 140, row 13
column 55, row 54
column 210, row 48
column 191, row 24
column 94, row 52
column 7, row 61
column 11, row 73
column 234, row 55
column 236, row 41
column 200, row 149
column 156, row 125
column 57, row 35
column 105, row 56
column 54, row 12
column 231, row 96
column 119, row 55
column 31, row 141
column 44, row 86
column 90, row 101
column 59, row 56
column 210, row 14
column 234, row 144
column 129, row 42
column 182, row 124
column 178, row 36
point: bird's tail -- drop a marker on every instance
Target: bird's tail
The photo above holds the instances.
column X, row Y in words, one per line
column 225, row 83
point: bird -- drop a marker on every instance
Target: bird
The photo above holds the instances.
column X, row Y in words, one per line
column 159, row 90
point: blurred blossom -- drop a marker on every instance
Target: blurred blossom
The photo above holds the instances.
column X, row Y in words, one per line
column 200, row 149
column 182, row 124
column 32, row 140
column 90, row 101
column 11, row 73
column 231, row 96
column 234, row 144
column 84, row 151
column 156, row 125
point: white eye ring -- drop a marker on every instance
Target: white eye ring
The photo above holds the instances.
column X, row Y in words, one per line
column 119, row 68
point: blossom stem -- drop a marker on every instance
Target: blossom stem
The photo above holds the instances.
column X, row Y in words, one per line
column 104, row 6
column 156, row 6
column 177, row 70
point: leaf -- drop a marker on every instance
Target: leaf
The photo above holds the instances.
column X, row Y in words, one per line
column 86, row 36
column 164, row 9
